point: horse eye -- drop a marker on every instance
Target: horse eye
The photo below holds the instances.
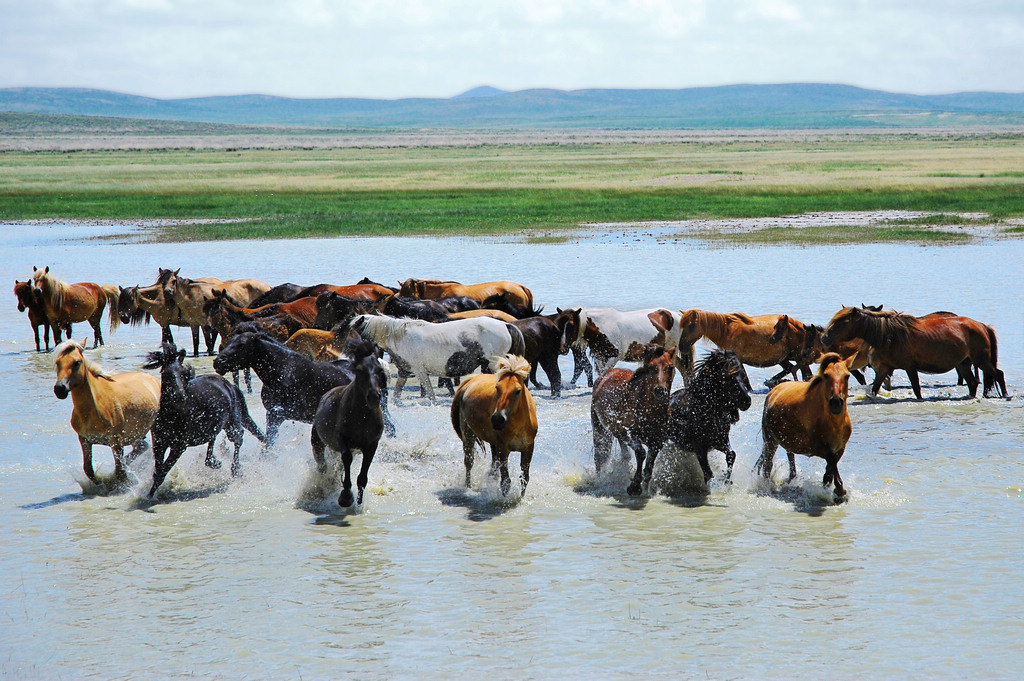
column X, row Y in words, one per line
column 77, row 363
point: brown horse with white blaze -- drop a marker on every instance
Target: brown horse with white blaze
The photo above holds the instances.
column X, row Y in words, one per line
column 633, row 407
column 933, row 344
column 72, row 303
column 810, row 418
column 115, row 410
column 499, row 410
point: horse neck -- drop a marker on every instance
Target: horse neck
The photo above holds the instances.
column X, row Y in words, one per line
column 878, row 331
column 714, row 326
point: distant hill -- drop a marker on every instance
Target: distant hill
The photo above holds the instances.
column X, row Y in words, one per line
column 732, row 106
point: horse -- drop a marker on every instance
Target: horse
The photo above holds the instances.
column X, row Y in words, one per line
column 702, row 413
column 474, row 314
column 613, row 336
column 317, row 344
column 499, row 410
column 36, row 314
column 282, row 293
column 509, row 304
column 333, row 308
column 458, row 303
column 451, row 349
column 109, row 409
column 140, row 304
column 349, row 417
column 369, row 292
column 72, row 303
column 791, row 335
column 933, row 345
column 810, row 418
column 749, row 337
column 633, row 407
column 292, row 383
column 193, row 411
column 189, row 295
column 573, row 325
column 223, row 315
column 543, row 338
column 517, row 294
column 414, row 308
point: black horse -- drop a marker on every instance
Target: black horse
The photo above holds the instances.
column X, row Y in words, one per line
column 193, row 411
column 501, row 301
column 333, row 309
column 414, row 308
column 292, row 383
column 349, row 417
column 458, row 303
column 702, row 413
column 543, row 336
column 282, row 293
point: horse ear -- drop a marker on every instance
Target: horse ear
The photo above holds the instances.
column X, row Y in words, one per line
column 558, row 310
column 181, row 355
column 47, row 270
column 33, row 268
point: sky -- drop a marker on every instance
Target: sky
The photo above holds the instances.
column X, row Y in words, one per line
column 391, row 49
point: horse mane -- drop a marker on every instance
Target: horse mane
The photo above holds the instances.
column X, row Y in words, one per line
column 743, row 317
column 712, row 323
column 56, row 287
column 886, row 328
column 91, row 366
column 513, row 365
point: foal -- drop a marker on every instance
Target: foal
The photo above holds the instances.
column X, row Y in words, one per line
column 349, row 417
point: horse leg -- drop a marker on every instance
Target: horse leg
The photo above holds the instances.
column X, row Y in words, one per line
column 832, row 475
column 345, row 499
column 764, row 462
column 554, row 374
column 581, row 365
column 524, row 466
column 652, row 455
column 915, row 382
column 318, row 451
column 159, row 472
column 364, row 469
column 87, row 460
column 210, row 334
column 636, row 487
column 97, row 334
column 499, row 460
column 705, row 466
column 859, row 375
column 602, row 442
column 137, row 450
column 120, row 471
column 274, row 420
column 399, row 386
column 248, row 380
column 237, row 436
column 424, row 379
column 468, row 453
column 777, row 378
column 195, row 341
column 35, row 331
column 730, row 459
column 389, row 423
column 792, row 466
column 165, row 334
column 880, row 377
column 211, row 460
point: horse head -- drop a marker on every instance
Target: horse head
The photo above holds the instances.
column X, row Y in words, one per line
column 835, row 377
column 71, row 366
column 367, row 369
column 781, row 327
column 237, row 353
column 38, row 277
column 569, row 326
column 657, row 370
column 407, row 288
column 23, row 292
column 509, row 386
column 174, row 373
column 690, row 329
column 842, row 326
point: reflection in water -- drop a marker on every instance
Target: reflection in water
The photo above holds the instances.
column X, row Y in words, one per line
column 264, row 576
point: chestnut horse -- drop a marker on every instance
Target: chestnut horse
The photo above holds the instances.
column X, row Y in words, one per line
column 36, row 314
column 632, row 407
column 810, row 418
column 499, row 410
column 934, row 344
column 71, row 303
column 748, row 336
column 113, row 410
column 516, row 294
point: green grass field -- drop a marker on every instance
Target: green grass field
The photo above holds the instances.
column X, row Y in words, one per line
column 474, row 187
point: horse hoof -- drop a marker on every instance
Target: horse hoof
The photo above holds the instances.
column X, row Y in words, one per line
column 345, row 499
column 213, row 463
column 633, row 490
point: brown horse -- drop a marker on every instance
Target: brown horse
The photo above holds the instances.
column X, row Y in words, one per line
column 749, row 337
column 71, row 303
column 429, row 289
column 317, row 344
column 934, row 344
column 810, row 418
column 36, row 314
column 632, row 407
column 370, row 291
column 499, row 410
column 223, row 315
column 140, row 304
column 189, row 295
column 113, row 410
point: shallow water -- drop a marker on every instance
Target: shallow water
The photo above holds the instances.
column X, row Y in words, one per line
column 919, row 574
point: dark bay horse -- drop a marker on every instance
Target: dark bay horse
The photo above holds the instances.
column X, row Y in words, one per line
column 632, row 407
column 72, row 303
column 810, row 418
column 497, row 409
column 544, row 339
column 292, row 383
column 702, row 414
column 349, row 417
column 36, row 314
column 193, row 411
column 933, row 345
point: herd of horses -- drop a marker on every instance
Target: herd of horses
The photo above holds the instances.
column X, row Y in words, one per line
column 319, row 352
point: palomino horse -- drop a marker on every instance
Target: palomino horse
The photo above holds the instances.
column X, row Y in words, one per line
column 516, row 294
column 810, row 418
column 112, row 410
column 189, row 295
column 499, row 410
column 140, row 304
column 36, row 314
column 702, row 414
column 933, row 345
column 749, row 337
column 632, row 407
column 452, row 349
column 71, row 303
column 349, row 417
column 193, row 411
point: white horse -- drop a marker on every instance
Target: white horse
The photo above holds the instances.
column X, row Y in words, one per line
column 613, row 335
column 452, row 349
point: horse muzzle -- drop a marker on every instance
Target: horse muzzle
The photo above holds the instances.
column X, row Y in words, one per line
column 661, row 392
column 21, row 307
column 836, row 404
column 826, row 340
column 498, row 420
column 220, row 366
column 61, row 391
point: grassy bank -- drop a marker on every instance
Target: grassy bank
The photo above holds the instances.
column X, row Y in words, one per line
column 490, row 189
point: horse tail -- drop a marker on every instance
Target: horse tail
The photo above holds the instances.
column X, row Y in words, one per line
column 992, row 342
column 518, row 346
column 455, row 413
column 113, row 296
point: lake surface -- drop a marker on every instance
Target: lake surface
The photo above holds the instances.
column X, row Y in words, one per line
column 920, row 574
